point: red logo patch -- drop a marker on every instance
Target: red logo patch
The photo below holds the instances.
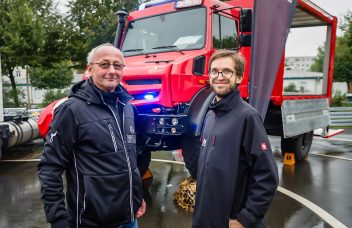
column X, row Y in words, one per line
column 263, row 145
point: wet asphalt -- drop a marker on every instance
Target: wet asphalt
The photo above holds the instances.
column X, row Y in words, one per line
column 324, row 180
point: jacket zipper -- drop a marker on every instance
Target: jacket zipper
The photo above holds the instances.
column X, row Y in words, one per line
column 127, row 158
column 112, row 137
column 207, row 145
column 83, row 209
column 126, row 154
column 77, row 184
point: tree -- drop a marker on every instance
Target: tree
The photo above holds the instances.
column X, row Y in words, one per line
column 291, row 88
column 58, row 76
column 53, row 95
column 21, row 36
column 343, row 57
column 93, row 23
column 343, row 54
column 318, row 63
column 32, row 34
column 8, row 96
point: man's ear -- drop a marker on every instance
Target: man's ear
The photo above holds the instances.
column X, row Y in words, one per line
column 89, row 68
column 239, row 79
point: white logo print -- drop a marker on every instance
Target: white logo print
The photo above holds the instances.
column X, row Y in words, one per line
column 52, row 135
column 131, row 129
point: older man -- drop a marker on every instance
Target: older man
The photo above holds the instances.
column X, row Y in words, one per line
column 92, row 138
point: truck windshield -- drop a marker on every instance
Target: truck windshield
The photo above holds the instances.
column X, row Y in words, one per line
column 177, row 31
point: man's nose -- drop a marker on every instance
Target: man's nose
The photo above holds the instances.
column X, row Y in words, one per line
column 112, row 69
column 220, row 76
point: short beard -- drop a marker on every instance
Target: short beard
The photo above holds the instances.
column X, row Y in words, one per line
column 224, row 93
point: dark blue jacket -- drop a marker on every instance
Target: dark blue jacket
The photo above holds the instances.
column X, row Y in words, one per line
column 87, row 141
column 237, row 174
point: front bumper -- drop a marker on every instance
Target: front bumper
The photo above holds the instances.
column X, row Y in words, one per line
column 167, row 125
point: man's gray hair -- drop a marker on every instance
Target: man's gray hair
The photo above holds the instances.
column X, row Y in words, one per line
column 92, row 52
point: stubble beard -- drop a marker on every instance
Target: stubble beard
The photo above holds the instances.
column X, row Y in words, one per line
column 223, row 92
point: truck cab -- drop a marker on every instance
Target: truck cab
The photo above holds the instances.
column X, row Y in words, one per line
column 167, row 46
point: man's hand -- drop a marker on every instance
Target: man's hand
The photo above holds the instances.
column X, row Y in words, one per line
column 142, row 209
column 233, row 223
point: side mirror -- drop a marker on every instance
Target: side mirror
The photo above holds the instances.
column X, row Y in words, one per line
column 246, row 20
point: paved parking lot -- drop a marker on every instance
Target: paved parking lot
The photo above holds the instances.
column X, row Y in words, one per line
column 314, row 193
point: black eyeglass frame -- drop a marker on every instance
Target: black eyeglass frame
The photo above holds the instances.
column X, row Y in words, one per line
column 212, row 76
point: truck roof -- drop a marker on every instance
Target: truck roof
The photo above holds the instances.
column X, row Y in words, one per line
column 309, row 14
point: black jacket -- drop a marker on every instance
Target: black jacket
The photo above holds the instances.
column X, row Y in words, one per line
column 86, row 140
column 237, row 174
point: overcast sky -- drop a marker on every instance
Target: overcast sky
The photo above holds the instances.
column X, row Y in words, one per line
column 305, row 42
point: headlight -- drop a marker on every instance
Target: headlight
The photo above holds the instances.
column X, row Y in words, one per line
column 174, row 121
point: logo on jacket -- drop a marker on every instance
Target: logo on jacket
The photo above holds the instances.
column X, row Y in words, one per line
column 264, row 146
column 52, row 135
column 131, row 129
column 204, row 142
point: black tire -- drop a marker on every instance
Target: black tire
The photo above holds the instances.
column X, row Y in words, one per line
column 190, row 151
column 299, row 145
column 143, row 161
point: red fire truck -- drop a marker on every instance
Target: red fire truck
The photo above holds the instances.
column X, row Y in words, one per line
column 167, row 45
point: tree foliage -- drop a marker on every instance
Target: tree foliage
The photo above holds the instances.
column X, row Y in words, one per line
column 343, row 53
column 58, row 76
column 93, row 23
column 8, row 97
column 339, row 99
column 291, row 88
column 343, row 57
column 53, row 95
column 318, row 63
column 32, row 33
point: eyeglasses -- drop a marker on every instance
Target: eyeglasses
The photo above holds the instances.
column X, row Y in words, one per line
column 105, row 66
column 227, row 74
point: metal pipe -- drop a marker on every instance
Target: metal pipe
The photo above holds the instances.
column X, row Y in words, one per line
column 22, row 131
column 121, row 20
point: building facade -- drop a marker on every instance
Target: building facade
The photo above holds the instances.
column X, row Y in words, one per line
column 31, row 95
column 299, row 63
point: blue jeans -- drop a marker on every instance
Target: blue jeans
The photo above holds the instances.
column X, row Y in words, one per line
column 133, row 224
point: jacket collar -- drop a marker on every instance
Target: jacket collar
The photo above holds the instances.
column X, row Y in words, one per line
column 86, row 90
column 227, row 103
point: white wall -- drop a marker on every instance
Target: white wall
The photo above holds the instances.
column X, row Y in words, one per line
column 310, row 86
column 339, row 86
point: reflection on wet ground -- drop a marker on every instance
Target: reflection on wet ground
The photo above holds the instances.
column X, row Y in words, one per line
column 162, row 211
column 20, row 198
column 324, row 181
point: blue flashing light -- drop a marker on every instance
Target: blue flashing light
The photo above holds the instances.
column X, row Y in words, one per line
column 149, row 96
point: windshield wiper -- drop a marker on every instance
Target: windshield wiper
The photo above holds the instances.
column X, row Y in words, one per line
column 172, row 47
column 134, row 50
